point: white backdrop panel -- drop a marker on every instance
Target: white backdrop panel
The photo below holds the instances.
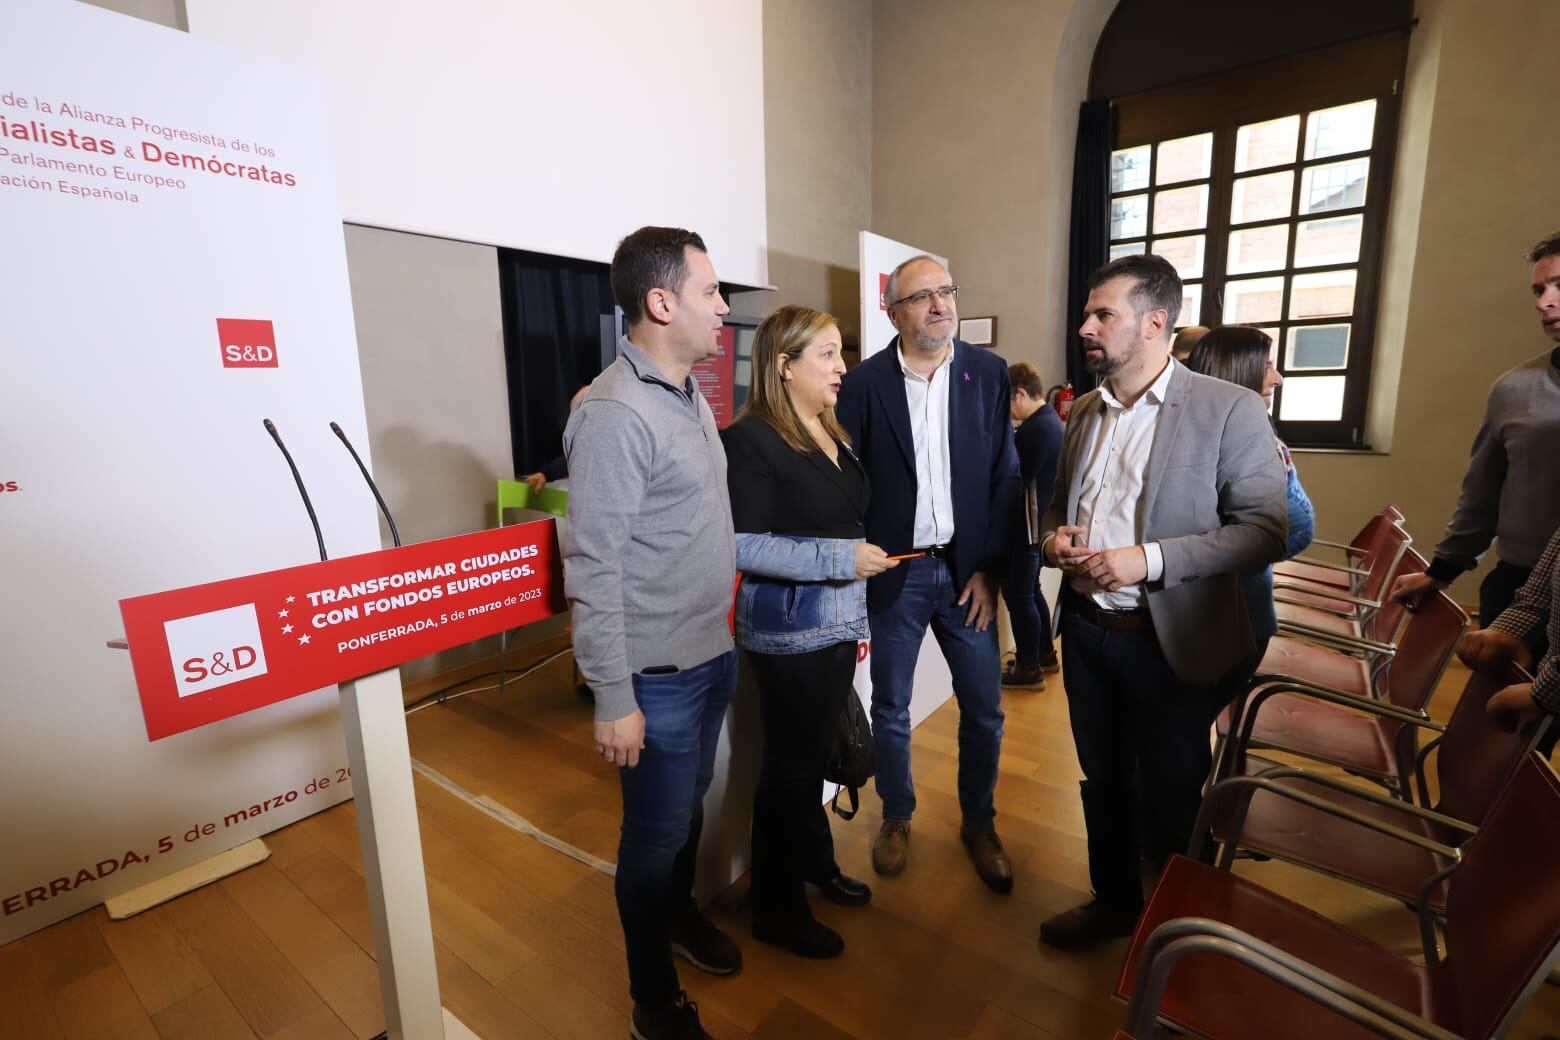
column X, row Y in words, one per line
column 553, row 127
column 138, row 459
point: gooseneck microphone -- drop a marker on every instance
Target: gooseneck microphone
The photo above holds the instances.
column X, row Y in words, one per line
column 394, row 535
column 270, row 428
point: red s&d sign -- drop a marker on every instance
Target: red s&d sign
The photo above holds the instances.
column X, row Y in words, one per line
column 247, row 343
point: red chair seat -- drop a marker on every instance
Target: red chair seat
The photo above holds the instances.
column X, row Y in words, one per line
column 1218, row 997
column 1324, row 731
column 1325, row 620
column 1300, row 834
column 1292, row 570
column 1288, row 655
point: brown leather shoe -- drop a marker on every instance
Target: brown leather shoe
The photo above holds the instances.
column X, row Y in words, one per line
column 1087, row 925
column 891, row 848
column 990, row 859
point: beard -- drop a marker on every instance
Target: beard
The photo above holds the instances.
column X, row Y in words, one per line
column 1102, row 364
column 931, row 341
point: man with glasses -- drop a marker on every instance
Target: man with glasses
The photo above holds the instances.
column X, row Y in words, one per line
column 928, row 407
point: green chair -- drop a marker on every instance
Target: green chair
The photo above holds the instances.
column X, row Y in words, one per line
column 517, row 494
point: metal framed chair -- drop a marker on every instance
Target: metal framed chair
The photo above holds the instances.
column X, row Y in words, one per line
column 1220, row 957
column 1355, row 558
column 1384, row 844
column 1316, row 720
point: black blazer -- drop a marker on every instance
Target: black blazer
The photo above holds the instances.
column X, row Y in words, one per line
column 776, row 489
column 984, row 467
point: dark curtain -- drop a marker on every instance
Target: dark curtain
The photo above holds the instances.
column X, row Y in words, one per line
column 1090, row 234
column 552, row 308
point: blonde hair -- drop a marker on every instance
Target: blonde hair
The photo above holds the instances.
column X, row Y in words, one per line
column 786, row 332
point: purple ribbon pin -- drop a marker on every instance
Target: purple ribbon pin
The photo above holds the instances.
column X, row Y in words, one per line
column 966, row 377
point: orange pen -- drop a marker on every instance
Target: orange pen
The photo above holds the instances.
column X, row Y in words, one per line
column 907, row 556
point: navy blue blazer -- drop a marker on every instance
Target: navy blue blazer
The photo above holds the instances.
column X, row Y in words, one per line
column 875, row 412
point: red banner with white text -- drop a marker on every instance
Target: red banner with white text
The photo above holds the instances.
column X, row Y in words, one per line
column 209, row 652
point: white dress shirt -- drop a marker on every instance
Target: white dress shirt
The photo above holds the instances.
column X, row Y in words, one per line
column 928, row 401
column 1110, row 490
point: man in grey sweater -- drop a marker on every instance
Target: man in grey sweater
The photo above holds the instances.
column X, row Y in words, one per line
column 649, row 568
column 1511, row 492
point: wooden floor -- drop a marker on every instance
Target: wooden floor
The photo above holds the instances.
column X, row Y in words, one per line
column 528, row 939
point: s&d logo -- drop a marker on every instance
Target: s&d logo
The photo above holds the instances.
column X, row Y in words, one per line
column 247, row 343
column 215, row 649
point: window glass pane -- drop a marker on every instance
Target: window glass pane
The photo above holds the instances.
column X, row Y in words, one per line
column 1259, row 145
column 1258, row 249
column 1335, row 241
column 1180, row 209
column 1129, row 169
column 1184, row 159
column 1267, row 197
column 1337, row 131
column 1251, row 300
column 1333, row 186
column 1317, row 346
column 1129, row 216
column 1121, row 249
column 1325, row 294
column 1311, row 399
column 1191, row 306
column 1186, row 253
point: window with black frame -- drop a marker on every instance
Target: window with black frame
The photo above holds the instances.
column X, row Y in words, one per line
column 1273, row 213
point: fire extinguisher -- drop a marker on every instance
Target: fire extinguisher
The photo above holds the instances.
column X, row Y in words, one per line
column 1064, row 400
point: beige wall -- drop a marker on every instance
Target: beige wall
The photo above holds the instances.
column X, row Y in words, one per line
column 974, row 115
column 817, row 154
column 1477, row 132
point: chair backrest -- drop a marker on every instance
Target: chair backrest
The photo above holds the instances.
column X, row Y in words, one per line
column 517, row 494
column 1383, row 625
column 1503, row 906
column 1428, row 640
column 1385, row 557
column 1476, row 756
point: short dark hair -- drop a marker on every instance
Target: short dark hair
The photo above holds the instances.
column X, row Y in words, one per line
column 650, row 258
column 1158, row 287
column 1548, row 247
column 1026, row 377
column 1234, row 353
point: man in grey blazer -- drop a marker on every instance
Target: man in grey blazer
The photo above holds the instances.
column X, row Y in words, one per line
column 1167, row 488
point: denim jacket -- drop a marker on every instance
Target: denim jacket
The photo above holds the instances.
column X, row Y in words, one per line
column 798, row 594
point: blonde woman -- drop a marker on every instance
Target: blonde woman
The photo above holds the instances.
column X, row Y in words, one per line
column 798, row 500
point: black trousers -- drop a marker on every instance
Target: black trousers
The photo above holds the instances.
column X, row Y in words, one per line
column 800, row 697
column 1142, row 737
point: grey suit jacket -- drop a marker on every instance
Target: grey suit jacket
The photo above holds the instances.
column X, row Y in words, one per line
column 1214, row 501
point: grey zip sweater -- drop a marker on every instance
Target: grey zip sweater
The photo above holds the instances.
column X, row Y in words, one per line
column 651, row 557
column 1512, row 488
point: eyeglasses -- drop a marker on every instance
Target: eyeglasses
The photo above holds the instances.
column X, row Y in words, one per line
column 923, row 298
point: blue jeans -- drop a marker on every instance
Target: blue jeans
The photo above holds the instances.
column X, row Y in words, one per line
column 663, row 814
column 1027, row 608
column 930, row 598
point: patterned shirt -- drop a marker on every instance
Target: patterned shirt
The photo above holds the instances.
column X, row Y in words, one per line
column 1538, row 605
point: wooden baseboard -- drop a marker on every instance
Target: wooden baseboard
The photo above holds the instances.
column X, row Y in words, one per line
column 187, row 879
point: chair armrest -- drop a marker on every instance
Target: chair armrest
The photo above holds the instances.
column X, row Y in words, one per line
column 1374, row 646
column 1326, row 593
column 1351, row 550
column 1312, row 561
column 1189, row 935
column 1340, row 642
column 1239, row 742
column 1242, row 789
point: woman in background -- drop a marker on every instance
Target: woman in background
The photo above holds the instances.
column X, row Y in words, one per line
column 1244, row 356
column 799, row 500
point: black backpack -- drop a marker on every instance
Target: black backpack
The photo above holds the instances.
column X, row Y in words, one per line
column 850, row 759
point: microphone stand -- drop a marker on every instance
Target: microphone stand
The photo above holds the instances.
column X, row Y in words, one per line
column 394, row 535
column 270, row 428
